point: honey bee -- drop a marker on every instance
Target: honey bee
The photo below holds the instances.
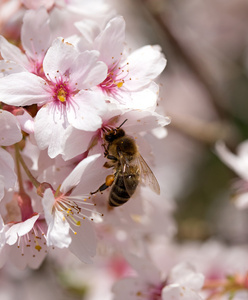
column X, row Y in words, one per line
column 130, row 168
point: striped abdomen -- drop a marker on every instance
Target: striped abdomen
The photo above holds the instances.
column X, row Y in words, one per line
column 119, row 194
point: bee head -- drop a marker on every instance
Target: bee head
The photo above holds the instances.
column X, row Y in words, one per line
column 114, row 134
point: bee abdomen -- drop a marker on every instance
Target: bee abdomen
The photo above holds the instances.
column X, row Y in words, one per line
column 118, row 194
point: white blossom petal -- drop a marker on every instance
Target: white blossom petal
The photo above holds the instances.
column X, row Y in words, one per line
column 20, row 229
column 184, row 274
column 75, row 176
column 12, row 53
column 91, row 71
column 23, row 89
column 35, row 33
column 10, row 132
column 144, row 65
column 7, row 169
column 176, row 292
column 49, row 128
column 58, row 228
column 83, row 244
column 86, row 116
column 8, row 67
column 110, row 42
column 238, row 164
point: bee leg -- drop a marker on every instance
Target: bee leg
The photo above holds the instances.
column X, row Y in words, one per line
column 112, row 157
column 108, row 182
column 100, row 189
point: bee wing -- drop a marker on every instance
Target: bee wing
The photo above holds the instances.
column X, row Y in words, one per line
column 147, row 175
column 130, row 172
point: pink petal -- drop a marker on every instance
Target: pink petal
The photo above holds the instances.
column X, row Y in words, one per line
column 58, row 227
column 86, row 115
column 7, row 169
column 75, row 142
column 35, row 33
column 145, row 64
column 83, row 243
column 10, row 131
column 110, row 42
column 23, row 89
column 86, row 71
column 59, row 59
column 12, row 53
column 49, row 128
column 8, row 67
column 75, row 176
column 173, row 291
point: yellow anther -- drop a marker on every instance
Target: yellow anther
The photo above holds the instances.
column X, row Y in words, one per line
column 61, row 95
column 78, row 223
column 38, row 247
column 119, row 84
column 75, row 232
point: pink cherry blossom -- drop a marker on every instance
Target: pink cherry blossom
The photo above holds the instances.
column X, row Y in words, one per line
column 63, row 95
column 69, row 214
column 35, row 42
column 181, row 283
column 25, row 244
column 129, row 81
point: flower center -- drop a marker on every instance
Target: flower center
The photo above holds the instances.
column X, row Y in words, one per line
column 61, row 95
column 61, row 92
column 115, row 79
column 74, row 209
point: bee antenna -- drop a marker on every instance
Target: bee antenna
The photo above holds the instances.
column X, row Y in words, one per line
column 122, row 124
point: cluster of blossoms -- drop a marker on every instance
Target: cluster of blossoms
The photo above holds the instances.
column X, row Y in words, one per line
column 66, row 78
column 59, row 93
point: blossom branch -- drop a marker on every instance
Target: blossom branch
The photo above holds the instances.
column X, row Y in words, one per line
column 200, row 73
column 19, row 158
column 207, row 133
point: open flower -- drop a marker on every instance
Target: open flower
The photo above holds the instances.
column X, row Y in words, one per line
column 129, row 81
column 68, row 213
column 36, row 39
column 24, row 241
column 62, row 94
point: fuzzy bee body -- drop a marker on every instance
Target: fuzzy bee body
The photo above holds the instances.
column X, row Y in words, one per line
column 123, row 156
column 118, row 193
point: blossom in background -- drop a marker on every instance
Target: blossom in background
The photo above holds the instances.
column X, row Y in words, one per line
column 181, row 283
column 10, row 133
column 239, row 164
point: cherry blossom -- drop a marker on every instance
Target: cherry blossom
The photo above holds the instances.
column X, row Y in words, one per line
column 69, row 214
column 181, row 283
column 35, row 42
column 239, row 164
column 62, row 95
column 25, row 243
column 130, row 77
